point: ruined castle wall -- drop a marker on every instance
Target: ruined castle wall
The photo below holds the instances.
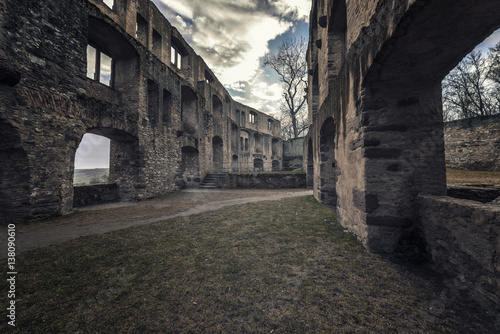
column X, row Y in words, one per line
column 156, row 107
column 473, row 144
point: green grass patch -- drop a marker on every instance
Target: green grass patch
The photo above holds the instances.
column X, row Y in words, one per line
column 273, row 267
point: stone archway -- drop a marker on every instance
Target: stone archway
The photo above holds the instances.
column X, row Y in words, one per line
column 328, row 170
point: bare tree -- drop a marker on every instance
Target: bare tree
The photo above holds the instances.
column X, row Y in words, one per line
column 291, row 65
column 469, row 89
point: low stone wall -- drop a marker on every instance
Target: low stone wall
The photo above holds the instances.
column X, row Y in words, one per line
column 263, row 181
column 478, row 194
column 463, row 239
column 94, row 194
column 474, row 143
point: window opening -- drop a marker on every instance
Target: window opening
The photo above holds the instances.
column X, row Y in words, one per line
column 92, row 160
column 99, row 65
column 141, row 29
column 252, row 118
column 175, row 57
column 157, row 45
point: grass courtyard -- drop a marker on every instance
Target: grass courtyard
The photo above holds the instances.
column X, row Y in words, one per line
column 272, row 267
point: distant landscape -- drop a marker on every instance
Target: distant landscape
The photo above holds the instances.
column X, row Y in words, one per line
column 90, row 176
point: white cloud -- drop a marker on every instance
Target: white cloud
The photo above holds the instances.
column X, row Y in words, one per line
column 298, row 9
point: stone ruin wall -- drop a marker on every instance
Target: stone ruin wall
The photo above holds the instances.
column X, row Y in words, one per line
column 165, row 124
column 376, row 141
column 473, row 144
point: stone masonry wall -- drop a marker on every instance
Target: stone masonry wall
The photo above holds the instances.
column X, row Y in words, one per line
column 463, row 240
column 94, row 194
column 473, row 144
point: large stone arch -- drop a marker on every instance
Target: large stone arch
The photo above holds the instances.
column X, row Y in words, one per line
column 402, row 108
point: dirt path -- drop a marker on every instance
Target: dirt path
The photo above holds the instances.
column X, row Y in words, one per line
column 114, row 216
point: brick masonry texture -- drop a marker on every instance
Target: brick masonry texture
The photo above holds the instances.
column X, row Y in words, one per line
column 376, row 132
column 169, row 125
column 473, row 144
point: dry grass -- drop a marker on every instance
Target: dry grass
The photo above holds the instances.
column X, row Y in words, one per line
column 462, row 177
column 273, row 267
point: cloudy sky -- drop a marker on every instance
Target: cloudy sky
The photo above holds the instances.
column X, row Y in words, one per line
column 232, row 36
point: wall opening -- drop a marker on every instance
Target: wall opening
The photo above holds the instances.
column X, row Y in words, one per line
column 258, row 143
column 157, row 44
column 218, row 154
column 234, row 138
column 253, row 117
column 275, row 147
column 310, row 164
column 471, row 110
column 276, row 166
column 99, row 65
column 153, row 102
column 189, row 111
column 328, row 170
column 244, row 136
column 337, row 29
column 258, row 165
column 190, row 167
column 235, row 166
column 92, row 160
column 14, row 176
column 121, row 71
column 141, row 30
column 167, row 106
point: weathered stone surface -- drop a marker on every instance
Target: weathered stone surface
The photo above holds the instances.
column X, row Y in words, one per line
column 473, row 144
column 375, row 98
column 478, row 194
column 264, row 181
column 463, row 240
column 94, row 194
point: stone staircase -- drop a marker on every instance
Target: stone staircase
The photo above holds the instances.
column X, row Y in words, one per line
column 211, row 180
